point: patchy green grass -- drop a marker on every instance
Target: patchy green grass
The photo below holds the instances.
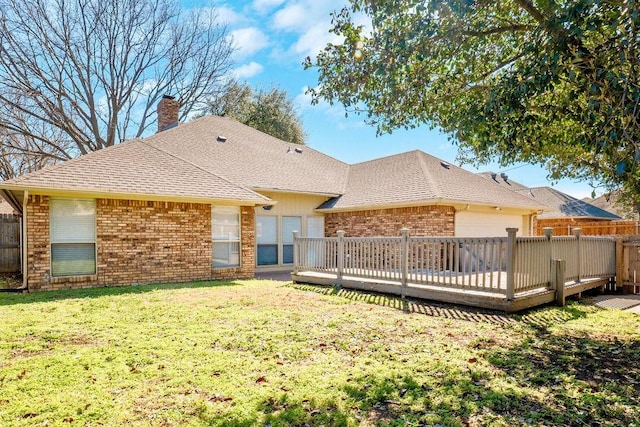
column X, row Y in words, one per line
column 264, row 353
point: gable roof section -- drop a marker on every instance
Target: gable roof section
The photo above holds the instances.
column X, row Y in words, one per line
column 564, row 205
column 611, row 203
column 416, row 177
column 134, row 168
column 252, row 158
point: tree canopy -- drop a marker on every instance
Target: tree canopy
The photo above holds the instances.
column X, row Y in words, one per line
column 268, row 110
column 80, row 75
column 555, row 83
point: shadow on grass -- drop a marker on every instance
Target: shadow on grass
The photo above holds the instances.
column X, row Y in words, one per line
column 539, row 317
column 451, row 397
column 590, row 381
column 47, row 296
column 444, row 310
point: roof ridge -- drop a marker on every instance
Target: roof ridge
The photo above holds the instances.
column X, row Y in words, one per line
column 203, row 169
column 425, row 171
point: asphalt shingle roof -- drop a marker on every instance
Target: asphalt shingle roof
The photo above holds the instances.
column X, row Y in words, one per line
column 499, row 179
column 419, row 177
column 135, row 167
column 253, row 158
column 565, row 206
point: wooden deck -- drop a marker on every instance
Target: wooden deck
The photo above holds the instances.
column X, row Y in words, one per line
column 495, row 298
column 502, row 273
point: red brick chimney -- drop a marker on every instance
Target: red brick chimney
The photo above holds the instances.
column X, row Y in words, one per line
column 167, row 112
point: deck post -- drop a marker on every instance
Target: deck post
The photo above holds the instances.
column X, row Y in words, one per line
column 511, row 262
column 619, row 263
column 558, row 268
column 548, row 233
column 296, row 255
column 404, row 262
column 578, row 232
column 340, row 254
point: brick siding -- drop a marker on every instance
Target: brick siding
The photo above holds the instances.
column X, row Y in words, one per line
column 139, row 242
column 420, row 220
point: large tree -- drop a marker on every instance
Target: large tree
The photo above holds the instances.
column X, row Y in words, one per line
column 80, row 75
column 268, row 110
column 553, row 82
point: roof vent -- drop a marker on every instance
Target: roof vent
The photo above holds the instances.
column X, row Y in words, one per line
column 504, row 176
column 445, row 165
column 298, row 150
column 493, row 176
column 221, row 138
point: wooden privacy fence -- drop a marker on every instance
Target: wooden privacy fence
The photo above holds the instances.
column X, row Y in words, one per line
column 591, row 228
column 508, row 267
column 9, row 243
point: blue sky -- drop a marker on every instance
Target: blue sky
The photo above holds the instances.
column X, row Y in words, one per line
column 272, row 39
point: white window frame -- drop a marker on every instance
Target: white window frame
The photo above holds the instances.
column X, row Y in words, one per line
column 82, row 233
column 234, row 243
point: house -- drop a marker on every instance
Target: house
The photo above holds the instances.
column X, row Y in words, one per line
column 563, row 211
column 612, row 202
column 215, row 199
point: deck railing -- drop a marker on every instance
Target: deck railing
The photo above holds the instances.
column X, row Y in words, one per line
column 499, row 265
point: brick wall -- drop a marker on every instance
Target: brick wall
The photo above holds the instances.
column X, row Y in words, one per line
column 139, row 242
column 420, row 220
column 37, row 218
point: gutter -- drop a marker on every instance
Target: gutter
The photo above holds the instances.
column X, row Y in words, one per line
column 23, row 241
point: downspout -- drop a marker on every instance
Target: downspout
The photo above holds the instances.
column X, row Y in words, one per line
column 25, row 198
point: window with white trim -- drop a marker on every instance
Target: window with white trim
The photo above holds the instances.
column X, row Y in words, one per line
column 225, row 233
column 72, row 231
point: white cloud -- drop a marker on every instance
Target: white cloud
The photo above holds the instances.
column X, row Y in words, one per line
column 292, row 17
column 248, row 70
column 310, row 21
column 229, row 16
column 264, row 6
column 249, row 40
column 312, row 41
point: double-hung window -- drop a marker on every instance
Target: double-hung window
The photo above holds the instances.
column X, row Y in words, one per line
column 72, row 231
column 225, row 230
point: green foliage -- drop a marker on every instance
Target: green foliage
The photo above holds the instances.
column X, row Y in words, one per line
column 252, row 353
column 268, row 110
column 557, row 83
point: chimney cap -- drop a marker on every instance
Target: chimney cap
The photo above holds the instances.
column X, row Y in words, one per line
column 167, row 96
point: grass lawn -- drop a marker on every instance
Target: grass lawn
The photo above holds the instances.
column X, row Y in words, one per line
column 265, row 353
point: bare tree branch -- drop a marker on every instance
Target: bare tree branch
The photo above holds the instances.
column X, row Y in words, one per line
column 90, row 72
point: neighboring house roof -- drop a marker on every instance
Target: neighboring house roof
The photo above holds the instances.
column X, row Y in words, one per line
column 564, row 205
column 134, row 168
column 610, row 202
column 252, row 158
column 417, row 177
column 502, row 180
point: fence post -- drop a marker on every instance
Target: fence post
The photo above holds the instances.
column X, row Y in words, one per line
column 404, row 261
column 619, row 263
column 578, row 232
column 340, row 254
column 296, row 255
column 511, row 262
column 558, row 268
